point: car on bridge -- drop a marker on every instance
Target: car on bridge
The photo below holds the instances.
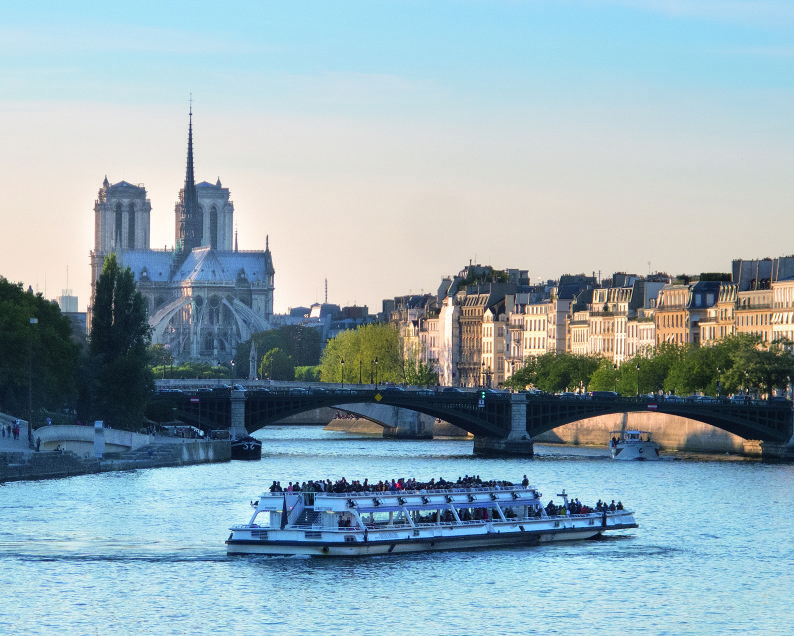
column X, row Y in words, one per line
column 568, row 395
column 604, row 395
column 392, row 388
column 451, row 389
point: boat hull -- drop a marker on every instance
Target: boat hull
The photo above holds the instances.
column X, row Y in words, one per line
column 398, row 545
column 632, row 452
column 247, row 448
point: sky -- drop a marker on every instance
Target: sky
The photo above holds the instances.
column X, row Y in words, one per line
column 382, row 145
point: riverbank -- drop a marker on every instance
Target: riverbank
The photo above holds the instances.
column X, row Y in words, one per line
column 19, row 462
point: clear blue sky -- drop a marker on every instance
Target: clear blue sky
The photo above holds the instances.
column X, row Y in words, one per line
column 382, row 145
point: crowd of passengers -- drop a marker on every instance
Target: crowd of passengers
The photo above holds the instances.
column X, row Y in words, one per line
column 576, row 507
column 395, row 485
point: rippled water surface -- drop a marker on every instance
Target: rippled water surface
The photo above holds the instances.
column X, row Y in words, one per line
column 143, row 553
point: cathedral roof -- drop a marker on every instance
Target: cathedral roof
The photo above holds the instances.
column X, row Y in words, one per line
column 156, row 264
column 204, row 264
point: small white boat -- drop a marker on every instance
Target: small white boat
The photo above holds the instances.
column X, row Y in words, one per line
column 370, row 523
column 628, row 445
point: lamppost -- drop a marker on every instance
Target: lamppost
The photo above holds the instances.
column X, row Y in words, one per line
column 33, row 321
column 615, row 376
column 342, row 366
column 359, row 370
column 746, row 387
column 376, row 372
column 638, row 380
column 163, row 366
column 719, row 381
column 482, row 375
column 232, row 361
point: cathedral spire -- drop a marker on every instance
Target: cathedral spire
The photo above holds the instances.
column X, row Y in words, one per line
column 191, row 227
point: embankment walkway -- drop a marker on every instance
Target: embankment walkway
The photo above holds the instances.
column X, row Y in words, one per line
column 19, row 462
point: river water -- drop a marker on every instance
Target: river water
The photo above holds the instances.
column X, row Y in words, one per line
column 142, row 552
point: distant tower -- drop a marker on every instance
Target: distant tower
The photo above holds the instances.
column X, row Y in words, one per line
column 121, row 223
column 189, row 221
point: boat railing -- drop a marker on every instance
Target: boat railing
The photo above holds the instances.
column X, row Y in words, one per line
column 402, row 493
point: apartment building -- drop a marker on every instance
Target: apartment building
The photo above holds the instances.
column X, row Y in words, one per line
column 754, row 313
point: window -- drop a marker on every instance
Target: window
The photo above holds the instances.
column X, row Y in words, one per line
column 131, row 226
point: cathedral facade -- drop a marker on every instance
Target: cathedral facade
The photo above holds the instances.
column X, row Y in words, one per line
column 204, row 296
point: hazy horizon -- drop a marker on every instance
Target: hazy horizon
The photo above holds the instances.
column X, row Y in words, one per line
column 383, row 146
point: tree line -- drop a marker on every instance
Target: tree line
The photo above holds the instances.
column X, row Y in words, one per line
column 45, row 374
column 740, row 363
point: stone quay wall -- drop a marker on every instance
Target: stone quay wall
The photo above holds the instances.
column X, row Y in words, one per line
column 31, row 465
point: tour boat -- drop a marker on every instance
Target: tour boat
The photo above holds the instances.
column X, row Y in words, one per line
column 633, row 445
column 372, row 523
column 246, row 448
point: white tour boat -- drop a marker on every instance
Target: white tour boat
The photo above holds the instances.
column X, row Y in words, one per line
column 368, row 523
column 633, row 445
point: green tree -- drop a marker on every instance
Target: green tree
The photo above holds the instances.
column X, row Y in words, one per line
column 120, row 336
column 160, row 360
column 277, row 365
column 302, row 344
column 308, row 374
column 360, row 349
column 552, row 372
column 418, row 373
column 38, row 361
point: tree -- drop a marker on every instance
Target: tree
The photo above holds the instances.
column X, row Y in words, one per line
column 277, row 365
column 39, row 360
column 360, row 349
column 120, row 336
column 418, row 373
column 301, row 344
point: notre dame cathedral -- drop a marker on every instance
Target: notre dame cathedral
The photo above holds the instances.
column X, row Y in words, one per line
column 204, row 296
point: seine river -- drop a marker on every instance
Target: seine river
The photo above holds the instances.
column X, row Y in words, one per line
column 143, row 553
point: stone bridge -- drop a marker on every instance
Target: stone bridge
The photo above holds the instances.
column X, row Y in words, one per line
column 502, row 423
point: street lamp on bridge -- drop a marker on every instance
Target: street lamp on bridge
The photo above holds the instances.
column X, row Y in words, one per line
column 615, row 376
column 342, row 366
column 638, row 379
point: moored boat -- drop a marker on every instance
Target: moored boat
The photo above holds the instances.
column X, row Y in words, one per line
column 415, row 520
column 630, row 445
column 246, row 448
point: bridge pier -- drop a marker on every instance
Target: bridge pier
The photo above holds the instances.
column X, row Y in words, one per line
column 237, row 428
column 518, row 441
column 409, row 425
column 778, row 452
